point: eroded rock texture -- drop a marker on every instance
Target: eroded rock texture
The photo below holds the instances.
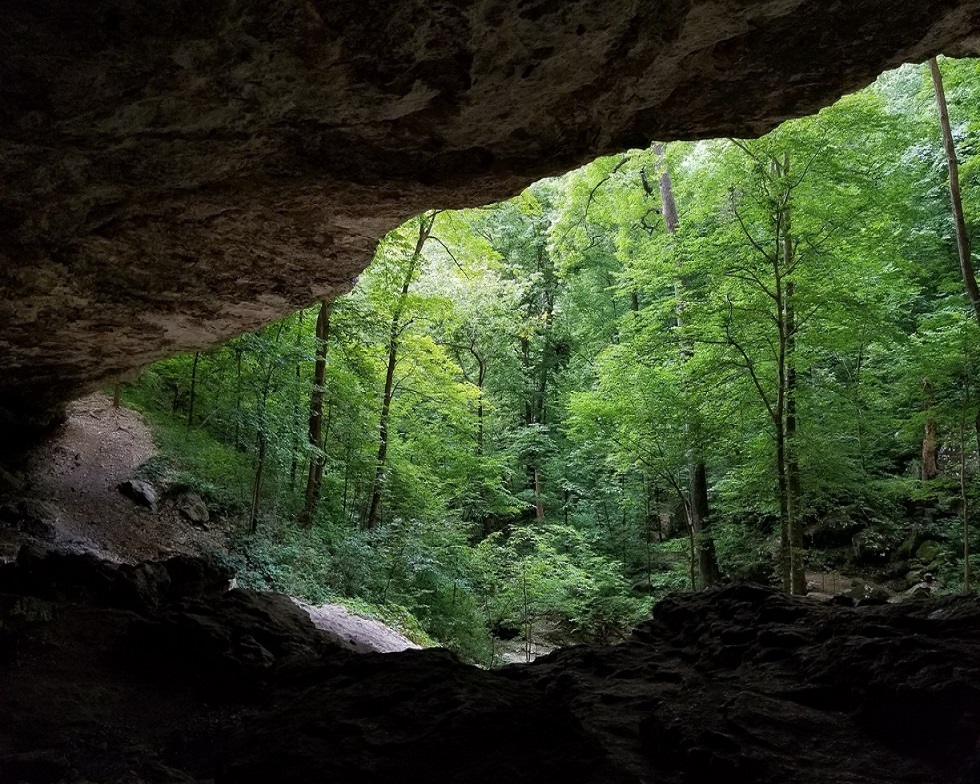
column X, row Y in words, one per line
column 176, row 172
column 143, row 675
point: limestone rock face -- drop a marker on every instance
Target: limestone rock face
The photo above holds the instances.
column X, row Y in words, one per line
column 175, row 172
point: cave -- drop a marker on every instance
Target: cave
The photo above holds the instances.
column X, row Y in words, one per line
column 174, row 174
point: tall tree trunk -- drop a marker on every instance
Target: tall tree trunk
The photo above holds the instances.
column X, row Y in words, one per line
column 314, row 476
column 297, row 409
column 930, row 468
column 697, row 473
column 425, row 228
column 257, row 482
column 701, row 521
column 965, row 499
column 797, row 559
column 793, row 506
column 538, row 501
column 190, row 406
column 238, row 398
column 779, row 424
column 116, row 395
column 962, row 238
column 262, row 439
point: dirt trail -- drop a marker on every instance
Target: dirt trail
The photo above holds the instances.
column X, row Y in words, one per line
column 77, row 473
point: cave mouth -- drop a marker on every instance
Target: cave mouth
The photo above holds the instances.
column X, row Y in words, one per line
column 529, row 421
column 176, row 177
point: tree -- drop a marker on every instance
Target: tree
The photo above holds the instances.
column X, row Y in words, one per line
column 316, row 433
column 411, row 268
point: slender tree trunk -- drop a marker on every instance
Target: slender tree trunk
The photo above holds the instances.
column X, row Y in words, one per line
column 965, row 500
column 346, row 494
column 425, row 227
column 698, row 479
column 701, row 522
column 793, row 506
column 372, row 519
column 481, row 377
column 538, row 502
column 930, row 468
column 779, row 424
column 190, row 406
column 262, row 439
column 315, row 432
column 297, row 409
column 962, row 237
column 797, row 559
column 257, row 483
column 238, row 398
column 116, row 395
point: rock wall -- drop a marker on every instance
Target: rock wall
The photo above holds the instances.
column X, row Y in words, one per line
column 176, row 172
column 147, row 674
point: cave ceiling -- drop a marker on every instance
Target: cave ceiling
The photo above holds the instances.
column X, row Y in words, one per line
column 173, row 173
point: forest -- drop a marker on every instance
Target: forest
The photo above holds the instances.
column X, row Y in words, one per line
column 724, row 359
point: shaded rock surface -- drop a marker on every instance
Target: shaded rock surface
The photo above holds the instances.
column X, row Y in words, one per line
column 354, row 632
column 739, row 684
column 177, row 173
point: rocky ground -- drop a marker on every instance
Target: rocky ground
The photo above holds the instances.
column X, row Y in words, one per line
column 68, row 493
column 80, row 492
column 155, row 673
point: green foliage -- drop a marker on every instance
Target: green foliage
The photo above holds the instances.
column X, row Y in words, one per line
column 562, row 363
column 553, row 571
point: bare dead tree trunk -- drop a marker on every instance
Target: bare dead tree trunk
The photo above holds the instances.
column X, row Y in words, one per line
column 962, row 237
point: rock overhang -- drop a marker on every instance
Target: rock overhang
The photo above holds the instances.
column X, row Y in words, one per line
column 176, row 173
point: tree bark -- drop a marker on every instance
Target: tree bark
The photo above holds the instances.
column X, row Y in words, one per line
column 190, row 405
column 697, row 473
column 930, row 467
column 701, row 522
column 262, row 440
column 962, row 237
column 297, row 408
column 314, row 476
column 797, row 560
column 425, row 228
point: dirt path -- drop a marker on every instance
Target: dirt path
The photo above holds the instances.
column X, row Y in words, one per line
column 76, row 477
column 78, row 472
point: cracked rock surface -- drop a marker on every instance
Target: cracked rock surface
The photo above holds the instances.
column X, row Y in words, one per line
column 175, row 173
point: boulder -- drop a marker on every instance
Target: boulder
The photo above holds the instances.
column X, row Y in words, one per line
column 140, row 492
column 866, row 592
column 928, row 551
column 193, row 509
